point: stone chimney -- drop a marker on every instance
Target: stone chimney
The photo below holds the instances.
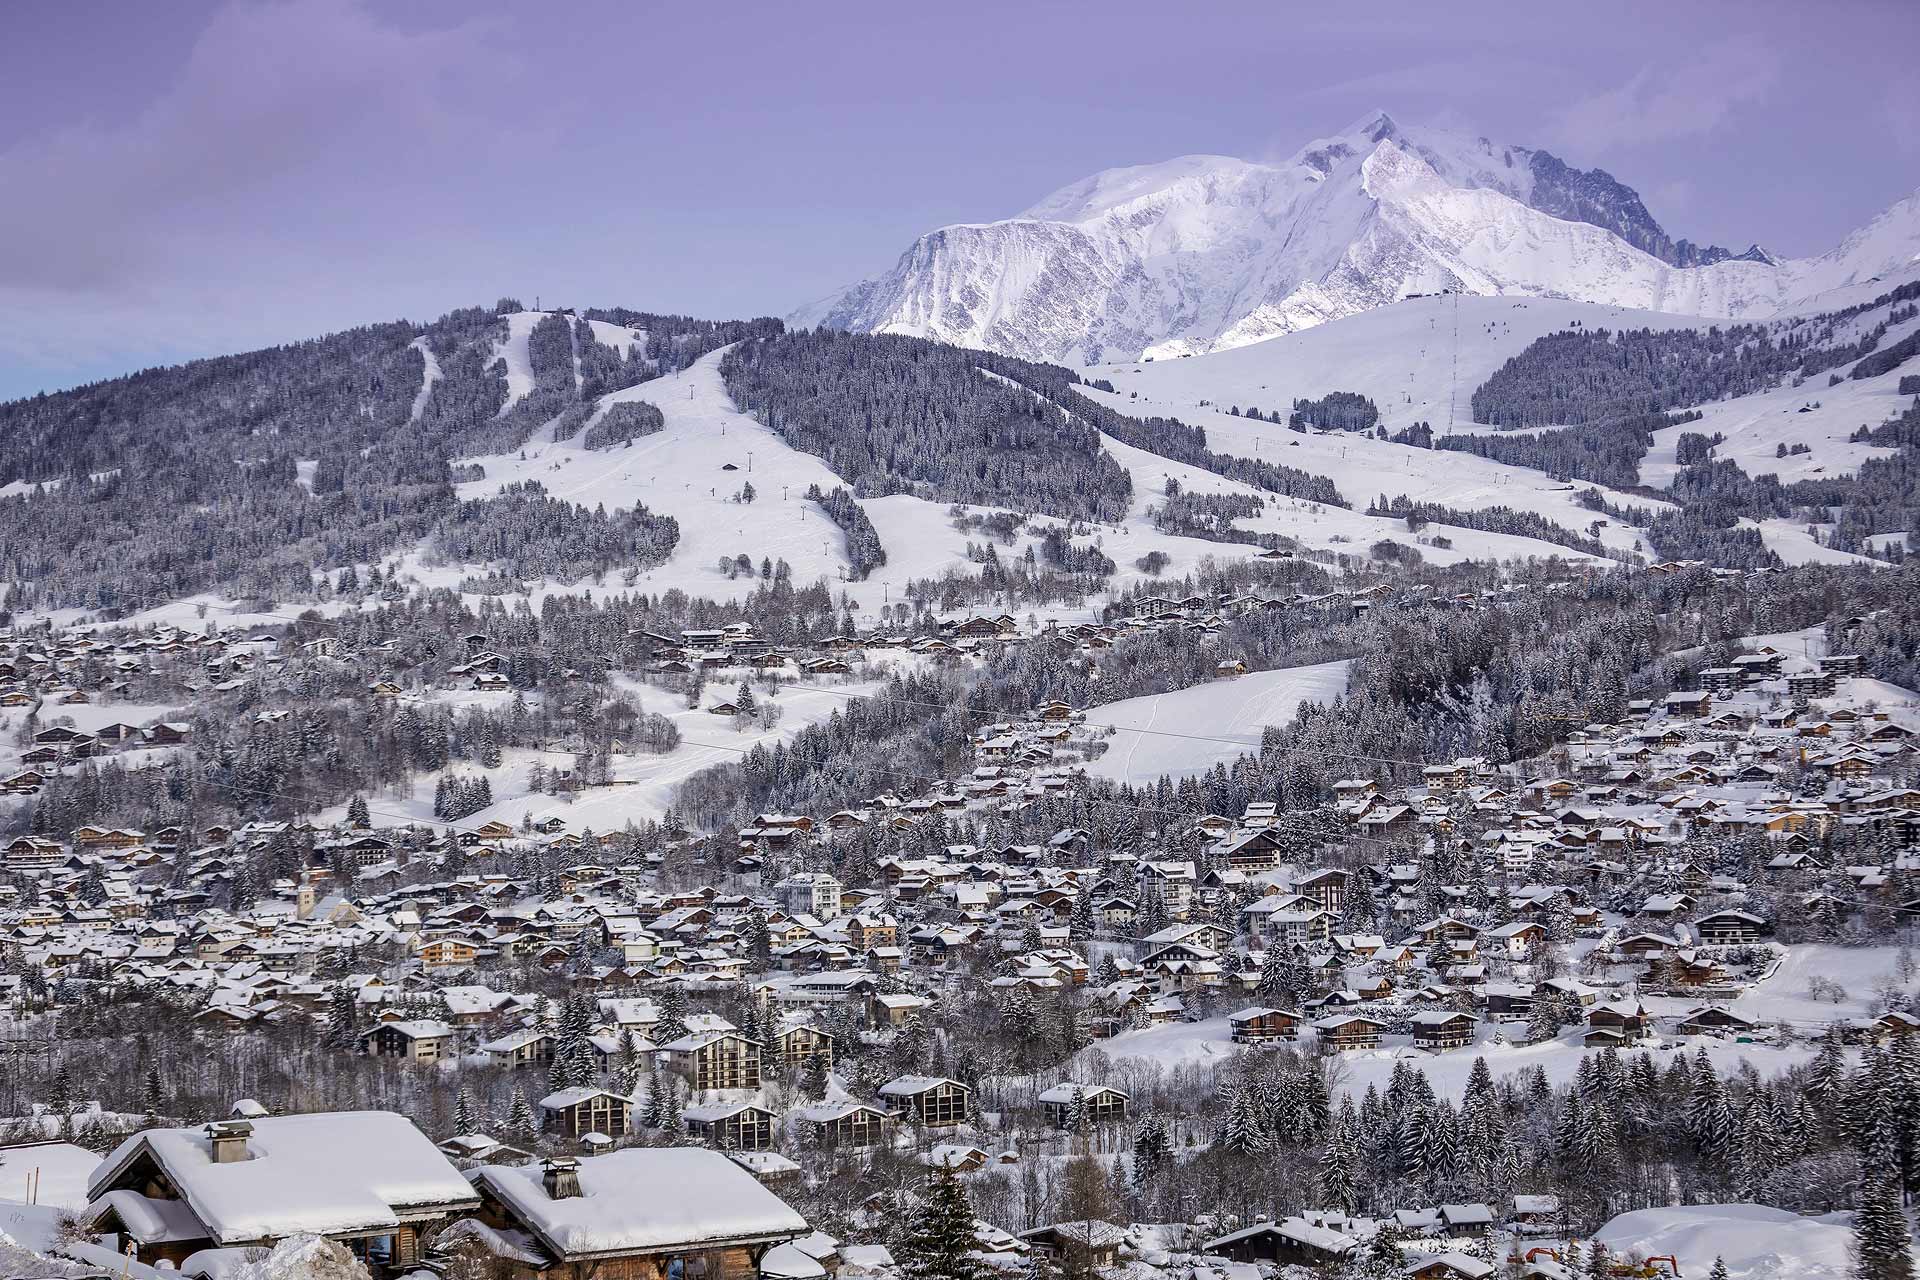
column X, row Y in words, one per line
column 561, row 1176
column 229, row 1140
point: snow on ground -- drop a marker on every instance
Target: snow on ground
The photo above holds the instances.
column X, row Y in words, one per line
column 61, row 1170
column 17, row 488
column 303, row 469
column 618, row 336
column 86, row 717
column 1860, row 971
column 39, row 1186
column 1757, row 1242
column 513, row 351
column 1395, row 470
column 428, row 377
column 1789, row 540
column 1816, row 414
column 91, row 717
column 681, row 471
column 1210, row 1043
column 1237, row 709
column 1402, row 356
column 644, row 783
column 1808, row 642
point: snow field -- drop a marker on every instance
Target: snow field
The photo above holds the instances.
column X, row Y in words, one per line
column 1236, row 709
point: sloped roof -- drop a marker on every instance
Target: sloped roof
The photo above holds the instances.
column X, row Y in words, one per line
column 641, row 1200
column 322, row 1173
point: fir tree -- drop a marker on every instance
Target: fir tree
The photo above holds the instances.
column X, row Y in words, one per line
column 1882, row 1242
column 520, row 1125
column 940, row 1244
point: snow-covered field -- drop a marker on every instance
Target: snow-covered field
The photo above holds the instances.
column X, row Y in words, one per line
column 1404, row 357
column 684, row 471
column 1755, row 1241
column 1756, row 425
column 1227, row 715
column 644, row 783
column 1419, row 364
column 1210, row 1042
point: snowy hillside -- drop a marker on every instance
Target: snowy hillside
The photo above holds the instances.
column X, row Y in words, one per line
column 1225, row 720
column 1203, row 253
column 695, row 468
column 1421, row 359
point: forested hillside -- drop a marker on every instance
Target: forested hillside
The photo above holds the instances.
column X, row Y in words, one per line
column 902, row 415
column 252, row 474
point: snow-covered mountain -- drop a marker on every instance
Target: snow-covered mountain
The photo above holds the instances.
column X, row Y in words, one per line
column 1208, row 252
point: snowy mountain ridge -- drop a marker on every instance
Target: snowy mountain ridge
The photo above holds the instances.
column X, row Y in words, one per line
column 1204, row 253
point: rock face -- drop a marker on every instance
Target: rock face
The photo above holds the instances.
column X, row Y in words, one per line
column 1207, row 252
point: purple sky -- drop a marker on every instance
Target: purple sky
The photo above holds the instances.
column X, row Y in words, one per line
column 191, row 177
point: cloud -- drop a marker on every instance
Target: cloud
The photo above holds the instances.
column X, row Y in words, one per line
column 270, row 92
column 1685, row 99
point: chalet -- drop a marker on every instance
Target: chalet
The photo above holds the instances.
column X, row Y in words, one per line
column 732, row 1126
column 447, row 953
column 1098, row 1102
column 1259, row 1025
column 802, row 1043
column 1083, row 1244
column 417, row 1040
column 520, row 1049
column 577, row 1112
column 930, row 1100
column 716, row 1060
column 634, row 1214
column 1618, row 1023
column 847, row 1124
column 1441, row 1029
column 367, row 1179
column 1289, row 1242
column 1715, row 1020
column 1327, row 889
column 1690, row 704
column 1730, row 928
column 1447, row 1266
column 1349, row 1031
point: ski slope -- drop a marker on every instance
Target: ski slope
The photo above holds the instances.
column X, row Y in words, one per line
column 681, row 471
column 512, row 353
column 1236, row 710
column 430, row 374
column 1364, row 469
column 1419, row 360
column 692, row 470
column 1816, row 414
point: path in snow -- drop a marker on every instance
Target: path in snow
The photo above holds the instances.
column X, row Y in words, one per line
column 429, row 376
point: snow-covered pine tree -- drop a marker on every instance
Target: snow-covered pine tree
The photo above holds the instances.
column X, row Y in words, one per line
column 520, row 1124
column 940, row 1244
column 1882, row 1240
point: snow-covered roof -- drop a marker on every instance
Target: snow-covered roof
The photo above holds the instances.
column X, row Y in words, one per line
column 152, row 1221
column 323, row 1173
column 645, row 1200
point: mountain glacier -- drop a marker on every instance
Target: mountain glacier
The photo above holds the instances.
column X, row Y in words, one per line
column 1204, row 253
